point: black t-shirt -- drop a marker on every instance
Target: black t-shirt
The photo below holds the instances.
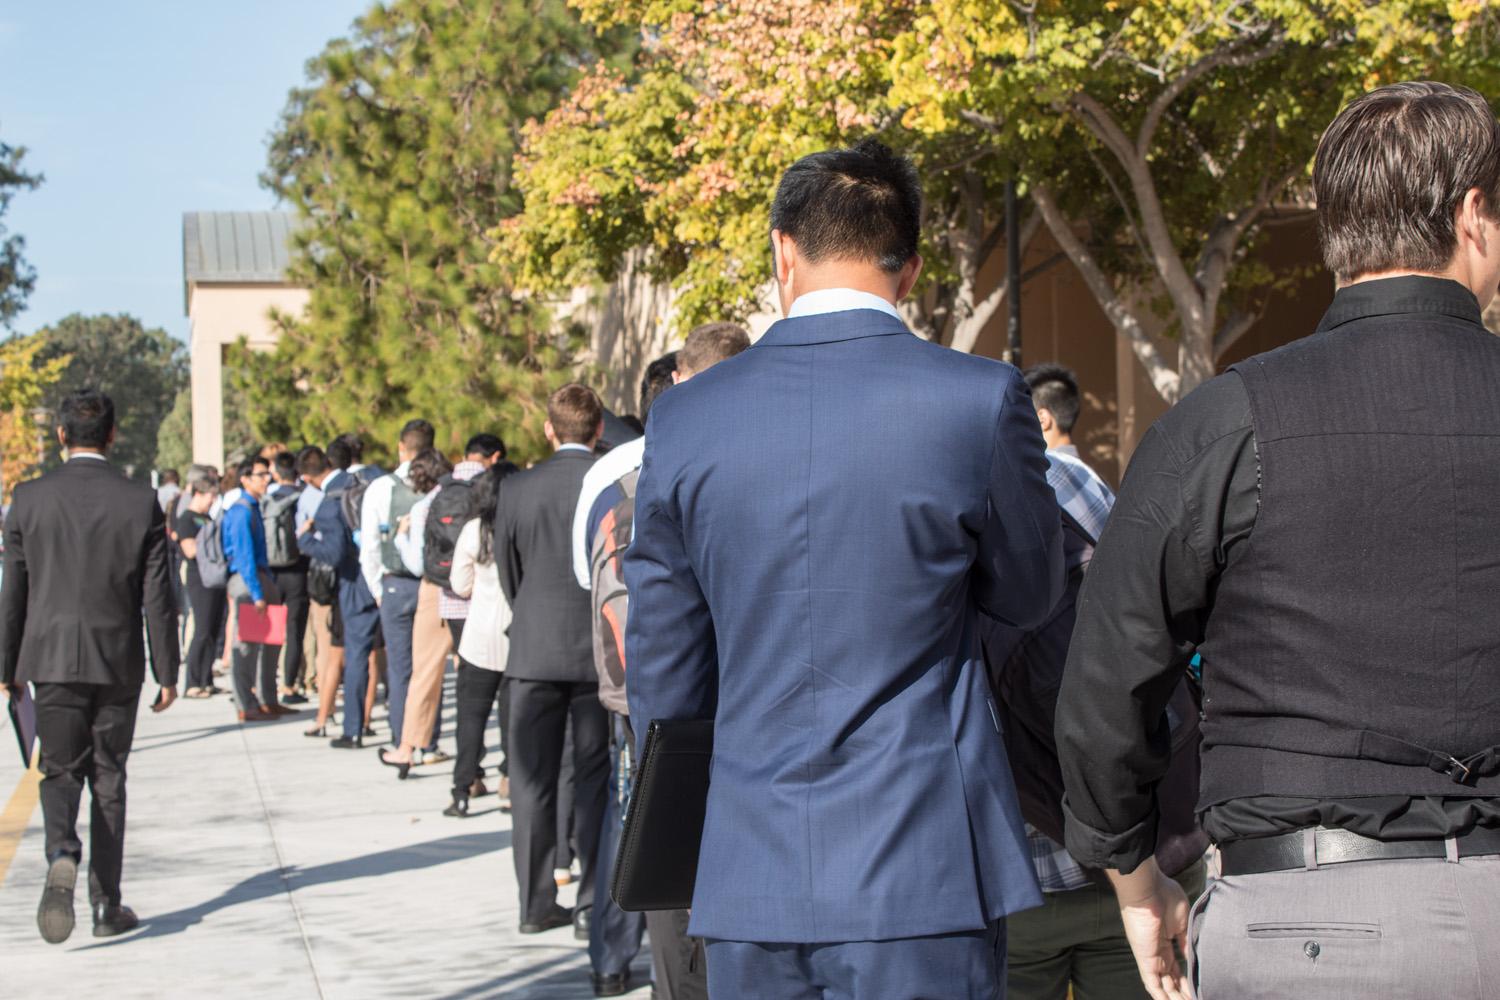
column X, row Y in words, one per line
column 186, row 526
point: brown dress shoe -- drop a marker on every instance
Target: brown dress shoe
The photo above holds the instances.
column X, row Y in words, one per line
column 259, row 715
column 278, row 710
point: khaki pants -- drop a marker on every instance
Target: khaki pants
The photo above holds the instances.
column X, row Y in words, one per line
column 430, row 645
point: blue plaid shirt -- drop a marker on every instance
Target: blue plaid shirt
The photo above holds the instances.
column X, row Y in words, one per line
column 1088, row 499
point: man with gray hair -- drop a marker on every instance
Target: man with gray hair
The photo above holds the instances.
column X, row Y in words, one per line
column 1319, row 524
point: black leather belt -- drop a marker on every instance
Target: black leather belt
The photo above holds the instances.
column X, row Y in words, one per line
column 1337, row 847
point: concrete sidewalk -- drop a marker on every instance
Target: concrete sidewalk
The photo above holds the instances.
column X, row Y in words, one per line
column 264, row 864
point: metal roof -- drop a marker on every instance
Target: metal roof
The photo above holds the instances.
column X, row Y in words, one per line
column 235, row 247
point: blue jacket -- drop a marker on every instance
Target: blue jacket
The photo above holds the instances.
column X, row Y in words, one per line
column 329, row 542
column 244, row 537
column 819, row 522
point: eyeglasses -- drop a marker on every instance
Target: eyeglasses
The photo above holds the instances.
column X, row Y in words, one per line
column 256, row 475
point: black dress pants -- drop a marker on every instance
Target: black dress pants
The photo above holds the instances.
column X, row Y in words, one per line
column 293, row 586
column 478, row 691
column 538, row 717
column 85, row 731
column 209, row 610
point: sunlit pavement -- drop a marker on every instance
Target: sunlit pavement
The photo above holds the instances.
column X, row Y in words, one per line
column 265, row 864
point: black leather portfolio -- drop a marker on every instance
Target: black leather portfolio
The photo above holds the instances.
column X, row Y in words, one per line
column 658, row 860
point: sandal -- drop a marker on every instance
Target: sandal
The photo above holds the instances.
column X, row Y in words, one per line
column 197, row 693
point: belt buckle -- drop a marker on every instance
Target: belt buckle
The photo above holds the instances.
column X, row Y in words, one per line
column 1458, row 771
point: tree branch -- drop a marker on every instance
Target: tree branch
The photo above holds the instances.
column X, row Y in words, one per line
column 1230, row 56
column 1162, row 376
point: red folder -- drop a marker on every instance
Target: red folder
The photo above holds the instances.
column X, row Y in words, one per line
column 267, row 627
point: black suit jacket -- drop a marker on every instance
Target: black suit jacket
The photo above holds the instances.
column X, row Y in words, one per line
column 550, row 638
column 86, row 553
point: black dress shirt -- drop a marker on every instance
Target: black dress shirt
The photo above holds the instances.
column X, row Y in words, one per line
column 1185, row 512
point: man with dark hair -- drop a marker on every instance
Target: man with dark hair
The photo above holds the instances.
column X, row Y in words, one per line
column 550, row 666
column 1054, row 394
column 289, row 570
column 862, row 835
column 395, row 588
column 330, row 539
column 251, row 582
column 313, row 470
column 486, row 449
column 85, row 561
column 1319, row 525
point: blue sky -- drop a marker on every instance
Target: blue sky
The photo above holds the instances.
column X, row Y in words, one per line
column 136, row 113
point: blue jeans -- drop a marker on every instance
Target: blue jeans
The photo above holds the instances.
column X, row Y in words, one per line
column 360, row 618
column 398, row 611
column 614, row 935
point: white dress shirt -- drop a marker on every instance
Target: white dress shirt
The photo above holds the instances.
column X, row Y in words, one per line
column 374, row 511
column 832, row 300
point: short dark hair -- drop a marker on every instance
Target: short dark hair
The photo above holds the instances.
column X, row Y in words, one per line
column 575, row 412
column 169, row 476
column 248, row 465
column 339, row 455
column 486, row 445
column 417, row 435
column 862, row 203
column 1055, row 389
column 285, row 466
column 1392, row 170
column 427, row 467
column 86, row 416
column 312, row 461
column 709, row 344
column 355, row 444
column 657, row 380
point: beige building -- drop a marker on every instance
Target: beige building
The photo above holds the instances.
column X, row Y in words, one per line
column 234, row 278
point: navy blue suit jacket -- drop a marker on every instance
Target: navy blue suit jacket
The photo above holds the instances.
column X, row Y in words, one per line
column 819, row 521
column 329, row 542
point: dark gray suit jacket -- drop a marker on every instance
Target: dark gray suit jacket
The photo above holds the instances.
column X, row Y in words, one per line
column 86, row 554
column 549, row 632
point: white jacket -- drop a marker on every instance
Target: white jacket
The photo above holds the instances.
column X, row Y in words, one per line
column 484, row 642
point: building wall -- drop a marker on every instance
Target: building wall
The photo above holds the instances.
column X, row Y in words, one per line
column 219, row 314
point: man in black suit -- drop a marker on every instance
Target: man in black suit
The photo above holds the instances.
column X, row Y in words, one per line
column 550, row 668
column 86, row 555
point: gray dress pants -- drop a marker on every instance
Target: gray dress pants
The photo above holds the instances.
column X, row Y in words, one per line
column 1397, row 930
column 252, row 662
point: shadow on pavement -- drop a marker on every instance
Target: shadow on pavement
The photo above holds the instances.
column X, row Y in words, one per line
column 571, row 980
column 277, row 881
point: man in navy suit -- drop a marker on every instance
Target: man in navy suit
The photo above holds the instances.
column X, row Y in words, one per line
column 818, row 524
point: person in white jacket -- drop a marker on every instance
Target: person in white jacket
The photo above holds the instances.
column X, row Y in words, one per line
column 484, row 647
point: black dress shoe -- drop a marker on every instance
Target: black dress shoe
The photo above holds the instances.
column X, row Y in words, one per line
column 459, row 808
column 54, row 917
column 559, row 917
column 110, row 920
column 347, row 742
column 582, row 919
column 614, row 984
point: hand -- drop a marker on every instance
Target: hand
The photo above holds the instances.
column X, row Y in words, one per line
column 403, row 525
column 304, row 528
column 260, row 605
column 165, row 698
column 5, row 690
column 1154, row 910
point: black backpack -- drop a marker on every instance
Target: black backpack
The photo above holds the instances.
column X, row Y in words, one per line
column 353, row 497
column 449, row 511
column 1025, row 672
column 323, row 579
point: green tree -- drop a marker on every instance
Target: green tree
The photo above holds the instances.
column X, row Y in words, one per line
column 141, row 369
column 1152, row 138
column 174, row 438
column 397, row 155
column 16, row 276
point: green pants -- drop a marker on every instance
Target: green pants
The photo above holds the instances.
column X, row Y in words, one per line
column 1076, row 938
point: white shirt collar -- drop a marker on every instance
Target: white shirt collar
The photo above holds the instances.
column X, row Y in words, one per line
column 571, row 446
column 87, row 454
column 831, row 300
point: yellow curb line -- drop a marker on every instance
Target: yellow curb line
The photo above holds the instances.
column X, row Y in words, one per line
column 16, row 815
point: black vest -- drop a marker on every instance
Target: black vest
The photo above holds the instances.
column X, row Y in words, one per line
column 1354, row 643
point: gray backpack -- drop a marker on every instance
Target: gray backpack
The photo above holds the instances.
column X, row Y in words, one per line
column 278, row 515
column 213, row 565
